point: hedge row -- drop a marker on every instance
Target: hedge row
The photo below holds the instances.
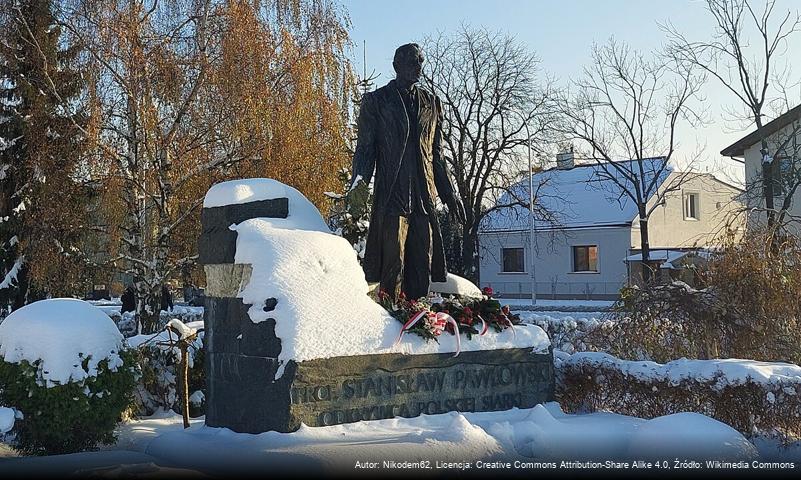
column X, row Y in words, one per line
column 767, row 405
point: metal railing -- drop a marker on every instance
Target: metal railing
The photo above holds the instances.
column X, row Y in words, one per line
column 557, row 290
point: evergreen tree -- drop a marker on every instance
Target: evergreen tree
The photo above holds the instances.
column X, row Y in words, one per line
column 350, row 213
column 349, row 216
column 40, row 200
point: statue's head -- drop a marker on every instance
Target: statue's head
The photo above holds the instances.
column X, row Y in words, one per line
column 408, row 63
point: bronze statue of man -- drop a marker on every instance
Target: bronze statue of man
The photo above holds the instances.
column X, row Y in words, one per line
column 400, row 139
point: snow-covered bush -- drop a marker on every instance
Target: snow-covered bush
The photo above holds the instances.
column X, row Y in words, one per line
column 756, row 398
column 126, row 322
column 157, row 388
column 64, row 366
column 8, row 417
column 749, row 306
column 568, row 334
column 350, row 212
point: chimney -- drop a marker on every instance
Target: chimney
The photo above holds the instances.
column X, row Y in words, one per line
column 564, row 161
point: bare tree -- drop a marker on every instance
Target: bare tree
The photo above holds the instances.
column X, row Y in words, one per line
column 493, row 105
column 623, row 115
column 182, row 93
column 747, row 72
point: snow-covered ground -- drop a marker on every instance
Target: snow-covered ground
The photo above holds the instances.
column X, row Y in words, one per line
column 472, row 440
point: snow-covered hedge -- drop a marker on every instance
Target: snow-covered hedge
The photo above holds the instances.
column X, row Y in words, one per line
column 126, row 322
column 756, row 398
column 64, row 366
column 157, row 388
column 568, row 334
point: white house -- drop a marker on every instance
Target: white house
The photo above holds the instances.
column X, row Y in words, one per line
column 584, row 253
column 783, row 138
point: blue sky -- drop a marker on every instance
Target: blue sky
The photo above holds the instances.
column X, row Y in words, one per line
column 561, row 33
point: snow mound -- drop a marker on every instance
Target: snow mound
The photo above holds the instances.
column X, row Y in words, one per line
column 303, row 215
column 690, row 436
column 7, row 418
column 62, row 333
column 323, row 309
column 729, row 371
column 546, row 432
column 541, row 433
column 456, row 285
column 446, row 438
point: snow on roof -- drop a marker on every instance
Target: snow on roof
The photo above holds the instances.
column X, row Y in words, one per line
column 577, row 197
column 323, row 309
column 303, row 215
column 666, row 255
column 670, row 256
column 62, row 332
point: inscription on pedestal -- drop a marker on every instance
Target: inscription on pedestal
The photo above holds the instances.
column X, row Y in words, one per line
column 350, row 389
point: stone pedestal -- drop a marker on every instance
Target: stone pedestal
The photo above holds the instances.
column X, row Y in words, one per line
column 242, row 359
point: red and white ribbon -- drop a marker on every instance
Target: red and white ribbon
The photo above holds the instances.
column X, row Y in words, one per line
column 441, row 319
column 444, row 316
column 512, row 328
column 484, row 325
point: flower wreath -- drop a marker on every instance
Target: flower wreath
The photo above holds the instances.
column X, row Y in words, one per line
column 429, row 316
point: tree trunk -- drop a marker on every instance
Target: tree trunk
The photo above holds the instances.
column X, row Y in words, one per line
column 148, row 309
column 767, row 176
column 645, row 249
column 469, row 259
column 184, row 344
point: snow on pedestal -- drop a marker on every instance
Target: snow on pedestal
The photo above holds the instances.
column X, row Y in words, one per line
column 293, row 337
column 62, row 333
column 323, row 309
column 456, row 285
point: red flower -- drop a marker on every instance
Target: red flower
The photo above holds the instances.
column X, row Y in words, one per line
column 487, row 291
column 467, row 311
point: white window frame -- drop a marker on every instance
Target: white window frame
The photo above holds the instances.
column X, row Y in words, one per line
column 686, row 206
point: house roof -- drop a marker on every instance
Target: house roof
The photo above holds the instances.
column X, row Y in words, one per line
column 670, row 256
column 576, row 197
column 737, row 149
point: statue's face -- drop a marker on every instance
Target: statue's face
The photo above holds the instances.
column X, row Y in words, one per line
column 409, row 65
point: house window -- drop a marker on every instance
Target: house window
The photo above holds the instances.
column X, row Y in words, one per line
column 513, row 260
column 782, row 171
column 585, row 258
column 691, row 206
